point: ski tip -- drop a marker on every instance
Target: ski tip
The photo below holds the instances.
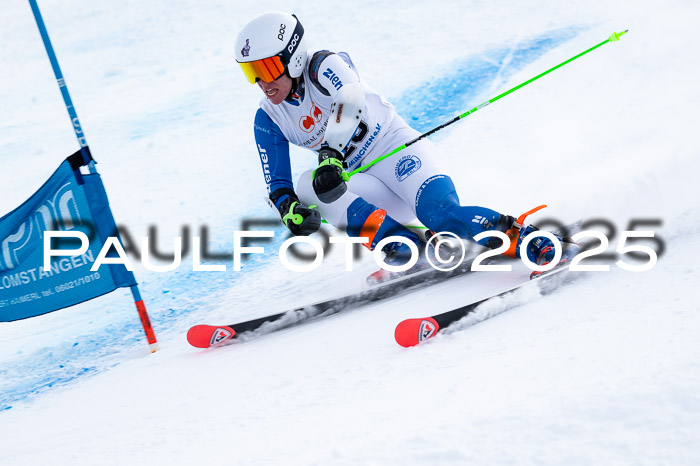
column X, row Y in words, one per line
column 412, row 332
column 204, row 336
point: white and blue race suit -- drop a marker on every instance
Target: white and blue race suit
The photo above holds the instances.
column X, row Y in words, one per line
column 410, row 184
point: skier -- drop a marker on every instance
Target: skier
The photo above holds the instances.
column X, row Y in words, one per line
column 316, row 100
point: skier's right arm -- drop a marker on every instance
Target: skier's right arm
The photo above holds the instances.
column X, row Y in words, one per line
column 336, row 77
column 273, row 149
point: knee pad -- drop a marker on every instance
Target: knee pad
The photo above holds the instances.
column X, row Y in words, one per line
column 365, row 219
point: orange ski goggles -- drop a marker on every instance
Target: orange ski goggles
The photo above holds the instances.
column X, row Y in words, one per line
column 266, row 69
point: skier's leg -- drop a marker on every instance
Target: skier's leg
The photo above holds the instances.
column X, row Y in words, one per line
column 360, row 218
column 418, row 176
column 438, row 207
column 375, row 192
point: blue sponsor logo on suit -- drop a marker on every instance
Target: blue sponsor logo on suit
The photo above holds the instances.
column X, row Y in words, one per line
column 406, row 166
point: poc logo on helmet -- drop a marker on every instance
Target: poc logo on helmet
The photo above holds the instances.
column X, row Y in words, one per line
column 280, row 36
column 293, row 43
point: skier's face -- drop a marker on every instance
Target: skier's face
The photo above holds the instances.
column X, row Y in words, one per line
column 277, row 90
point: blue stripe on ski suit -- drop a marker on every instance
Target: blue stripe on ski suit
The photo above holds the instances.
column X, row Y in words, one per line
column 273, row 149
column 438, row 208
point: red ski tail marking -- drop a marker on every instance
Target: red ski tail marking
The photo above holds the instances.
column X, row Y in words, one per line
column 204, row 336
column 411, row 332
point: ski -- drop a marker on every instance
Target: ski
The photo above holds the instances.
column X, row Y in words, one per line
column 205, row 336
column 412, row 332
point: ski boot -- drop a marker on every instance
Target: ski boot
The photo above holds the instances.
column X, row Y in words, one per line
column 540, row 250
column 369, row 221
column 400, row 253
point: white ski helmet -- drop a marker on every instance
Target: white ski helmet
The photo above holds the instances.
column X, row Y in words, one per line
column 270, row 45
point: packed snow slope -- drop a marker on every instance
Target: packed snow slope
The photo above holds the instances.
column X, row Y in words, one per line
column 606, row 370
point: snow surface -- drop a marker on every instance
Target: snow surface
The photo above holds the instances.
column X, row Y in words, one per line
column 604, row 371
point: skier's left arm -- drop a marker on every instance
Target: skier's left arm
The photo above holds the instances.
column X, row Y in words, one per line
column 333, row 76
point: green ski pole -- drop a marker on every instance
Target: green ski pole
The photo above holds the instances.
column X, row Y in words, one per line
column 615, row 36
